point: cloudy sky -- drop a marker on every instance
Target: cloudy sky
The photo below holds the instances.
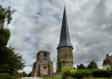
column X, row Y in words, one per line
column 36, row 26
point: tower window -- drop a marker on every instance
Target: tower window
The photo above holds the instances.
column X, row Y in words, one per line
column 45, row 54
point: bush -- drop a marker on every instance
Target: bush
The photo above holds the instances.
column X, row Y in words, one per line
column 73, row 71
column 68, row 73
column 65, row 73
column 83, row 73
column 102, row 73
column 70, row 77
column 5, row 76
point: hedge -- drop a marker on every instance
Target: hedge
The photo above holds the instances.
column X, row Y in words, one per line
column 5, row 76
column 72, row 73
column 102, row 73
column 83, row 73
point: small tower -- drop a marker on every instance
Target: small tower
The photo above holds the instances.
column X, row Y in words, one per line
column 64, row 49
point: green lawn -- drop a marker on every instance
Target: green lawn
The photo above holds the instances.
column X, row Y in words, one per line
column 51, row 78
column 101, row 78
column 60, row 78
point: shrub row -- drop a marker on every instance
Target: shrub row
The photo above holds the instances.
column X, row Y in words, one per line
column 68, row 73
column 83, row 73
column 72, row 73
column 5, row 76
column 102, row 73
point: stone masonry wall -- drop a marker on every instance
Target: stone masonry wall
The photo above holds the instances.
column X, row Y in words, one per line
column 65, row 55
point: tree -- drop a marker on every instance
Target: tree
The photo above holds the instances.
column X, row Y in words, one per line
column 4, row 37
column 81, row 66
column 5, row 15
column 10, row 62
column 23, row 74
column 59, row 66
column 92, row 65
column 29, row 75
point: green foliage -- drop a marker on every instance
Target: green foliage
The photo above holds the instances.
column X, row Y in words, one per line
column 10, row 61
column 5, row 76
column 67, row 72
column 59, row 65
column 51, row 77
column 81, row 66
column 102, row 73
column 102, row 78
column 70, row 77
column 92, row 65
column 5, row 15
column 72, row 73
column 83, row 73
column 4, row 37
column 96, row 78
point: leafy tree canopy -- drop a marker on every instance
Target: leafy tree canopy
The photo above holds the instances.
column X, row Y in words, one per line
column 81, row 66
column 92, row 65
column 5, row 15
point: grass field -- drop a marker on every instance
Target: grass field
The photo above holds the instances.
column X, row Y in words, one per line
column 60, row 78
column 51, row 78
column 101, row 78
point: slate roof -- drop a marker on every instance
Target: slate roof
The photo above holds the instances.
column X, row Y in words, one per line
column 64, row 36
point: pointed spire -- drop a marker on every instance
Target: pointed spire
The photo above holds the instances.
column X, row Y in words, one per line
column 64, row 36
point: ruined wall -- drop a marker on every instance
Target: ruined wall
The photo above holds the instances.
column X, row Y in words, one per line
column 43, row 65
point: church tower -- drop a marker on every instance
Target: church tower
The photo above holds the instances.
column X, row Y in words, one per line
column 64, row 49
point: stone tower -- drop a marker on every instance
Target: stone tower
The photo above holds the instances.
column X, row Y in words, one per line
column 64, row 49
column 43, row 65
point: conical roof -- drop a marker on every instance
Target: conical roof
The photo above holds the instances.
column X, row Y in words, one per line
column 64, row 36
